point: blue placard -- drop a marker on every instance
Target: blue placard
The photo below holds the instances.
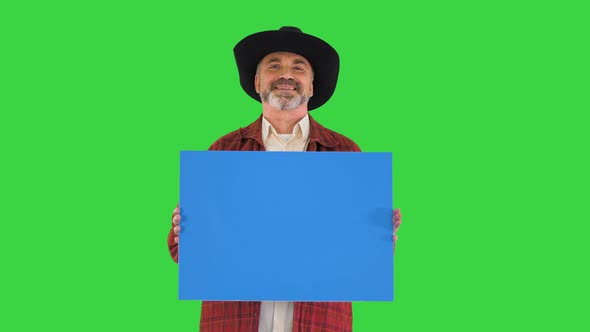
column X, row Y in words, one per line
column 286, row 226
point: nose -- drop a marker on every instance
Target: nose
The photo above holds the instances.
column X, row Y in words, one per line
column 286, row 72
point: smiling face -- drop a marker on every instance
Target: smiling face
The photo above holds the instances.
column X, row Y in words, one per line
column 284, row 80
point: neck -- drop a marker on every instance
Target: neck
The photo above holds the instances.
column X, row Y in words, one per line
column 283, row 121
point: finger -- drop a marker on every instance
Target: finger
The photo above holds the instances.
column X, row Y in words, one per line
column 176, row 230
column 176, row 239
column 396, row 223
column 394, row 238
column 176, row 220
column 397, row 218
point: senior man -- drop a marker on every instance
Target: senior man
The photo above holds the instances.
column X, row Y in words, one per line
column 290, row 73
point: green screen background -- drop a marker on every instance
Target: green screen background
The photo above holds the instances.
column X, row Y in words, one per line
column 483, row 103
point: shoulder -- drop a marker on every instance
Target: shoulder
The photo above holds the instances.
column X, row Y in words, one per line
column 246, row 137
column 341, row 141
column 331, row 139
column 227, row 141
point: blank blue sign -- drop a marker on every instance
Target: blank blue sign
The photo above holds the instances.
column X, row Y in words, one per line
column 286, row 226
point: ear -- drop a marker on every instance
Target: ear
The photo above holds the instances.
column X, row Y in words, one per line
column 311, row 88
column 256, row 84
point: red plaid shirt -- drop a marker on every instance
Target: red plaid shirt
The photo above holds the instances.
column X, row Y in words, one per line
column 221, row 316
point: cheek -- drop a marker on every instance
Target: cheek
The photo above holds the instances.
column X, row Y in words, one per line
column 265, row 83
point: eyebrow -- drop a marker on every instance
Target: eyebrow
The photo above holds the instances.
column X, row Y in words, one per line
column 273, row 60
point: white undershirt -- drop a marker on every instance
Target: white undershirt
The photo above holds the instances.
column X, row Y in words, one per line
column 295, row 141
column 278, row 316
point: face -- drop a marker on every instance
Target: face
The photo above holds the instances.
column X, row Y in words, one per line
column 284, row 80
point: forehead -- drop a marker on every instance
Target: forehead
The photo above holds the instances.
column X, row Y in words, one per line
column 285, row 57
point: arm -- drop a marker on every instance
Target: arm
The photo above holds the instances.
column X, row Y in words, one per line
column 397, row 216
column 175, row 227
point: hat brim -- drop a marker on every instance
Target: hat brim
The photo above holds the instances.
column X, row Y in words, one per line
column 322, row 57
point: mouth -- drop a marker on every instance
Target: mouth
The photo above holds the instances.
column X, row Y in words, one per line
column 285, row 88
column 285, row 85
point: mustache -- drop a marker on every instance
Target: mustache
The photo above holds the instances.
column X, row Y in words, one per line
column 283, row 81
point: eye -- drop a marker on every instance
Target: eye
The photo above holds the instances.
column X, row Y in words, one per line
column 274, row 66
column 298, row 68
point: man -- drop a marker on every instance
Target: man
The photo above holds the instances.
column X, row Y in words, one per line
column 290, row 73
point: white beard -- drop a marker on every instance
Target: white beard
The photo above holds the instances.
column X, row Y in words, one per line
column 283, row 103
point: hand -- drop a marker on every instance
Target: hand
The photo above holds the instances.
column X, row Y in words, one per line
column 397, row 221
column 176, row 222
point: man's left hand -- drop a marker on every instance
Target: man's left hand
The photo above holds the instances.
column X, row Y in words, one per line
column 397, row 221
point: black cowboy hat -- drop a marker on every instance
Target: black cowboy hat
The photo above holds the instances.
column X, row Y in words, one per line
column 322, row 57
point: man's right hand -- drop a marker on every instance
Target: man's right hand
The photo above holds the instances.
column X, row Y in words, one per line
column 176, row 223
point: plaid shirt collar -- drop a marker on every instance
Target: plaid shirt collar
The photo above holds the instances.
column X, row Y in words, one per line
column 317, row 133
